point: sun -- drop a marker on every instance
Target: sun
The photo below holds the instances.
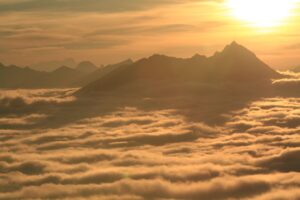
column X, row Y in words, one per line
column 262, row 13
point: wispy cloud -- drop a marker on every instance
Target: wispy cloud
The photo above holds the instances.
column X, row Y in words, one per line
column 81, row 5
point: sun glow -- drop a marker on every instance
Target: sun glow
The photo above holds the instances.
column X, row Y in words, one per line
column 262, row 13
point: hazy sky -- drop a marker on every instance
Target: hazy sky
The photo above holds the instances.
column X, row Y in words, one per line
column 107, row 31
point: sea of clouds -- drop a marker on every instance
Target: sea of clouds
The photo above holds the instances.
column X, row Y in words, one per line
column 54, row 146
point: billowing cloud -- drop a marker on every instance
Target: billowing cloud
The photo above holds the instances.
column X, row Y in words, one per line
column 127, row 152
column 21, row 100
column 289, row 85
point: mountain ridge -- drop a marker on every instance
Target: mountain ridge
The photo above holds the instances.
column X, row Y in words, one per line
column 49, row 66
column 235, row 64
column 14, row 77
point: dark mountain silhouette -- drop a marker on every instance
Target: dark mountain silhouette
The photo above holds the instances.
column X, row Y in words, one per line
column 18, row 77
column 101, row 72
column 234, row 67
column 50, row 66
column 86, row 67
column 238, row 63
column 63, row 77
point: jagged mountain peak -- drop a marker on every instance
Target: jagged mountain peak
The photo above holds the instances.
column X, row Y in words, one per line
column 235, row 49
column 235, row 64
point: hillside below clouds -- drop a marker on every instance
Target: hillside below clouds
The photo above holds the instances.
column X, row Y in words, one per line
column 235, row 66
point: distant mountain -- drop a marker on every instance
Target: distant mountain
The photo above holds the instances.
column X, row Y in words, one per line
column 49, row 66
column 63, row 77
column 101, row 72
column 86, row 67
column 234, row 66
column 85, row 73
column 17, row 77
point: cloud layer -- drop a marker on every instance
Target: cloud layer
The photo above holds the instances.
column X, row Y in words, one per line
column 134, row 153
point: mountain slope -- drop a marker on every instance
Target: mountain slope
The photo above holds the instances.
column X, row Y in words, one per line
column 239, row 62
column 235, row 64
column 100, row 72
column 63, row 77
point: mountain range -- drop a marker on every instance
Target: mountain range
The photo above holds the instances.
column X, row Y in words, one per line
column 234, row 67
column 85, row 72
column 49, row 66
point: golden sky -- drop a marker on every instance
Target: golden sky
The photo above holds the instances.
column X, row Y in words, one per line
column 108, row 31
